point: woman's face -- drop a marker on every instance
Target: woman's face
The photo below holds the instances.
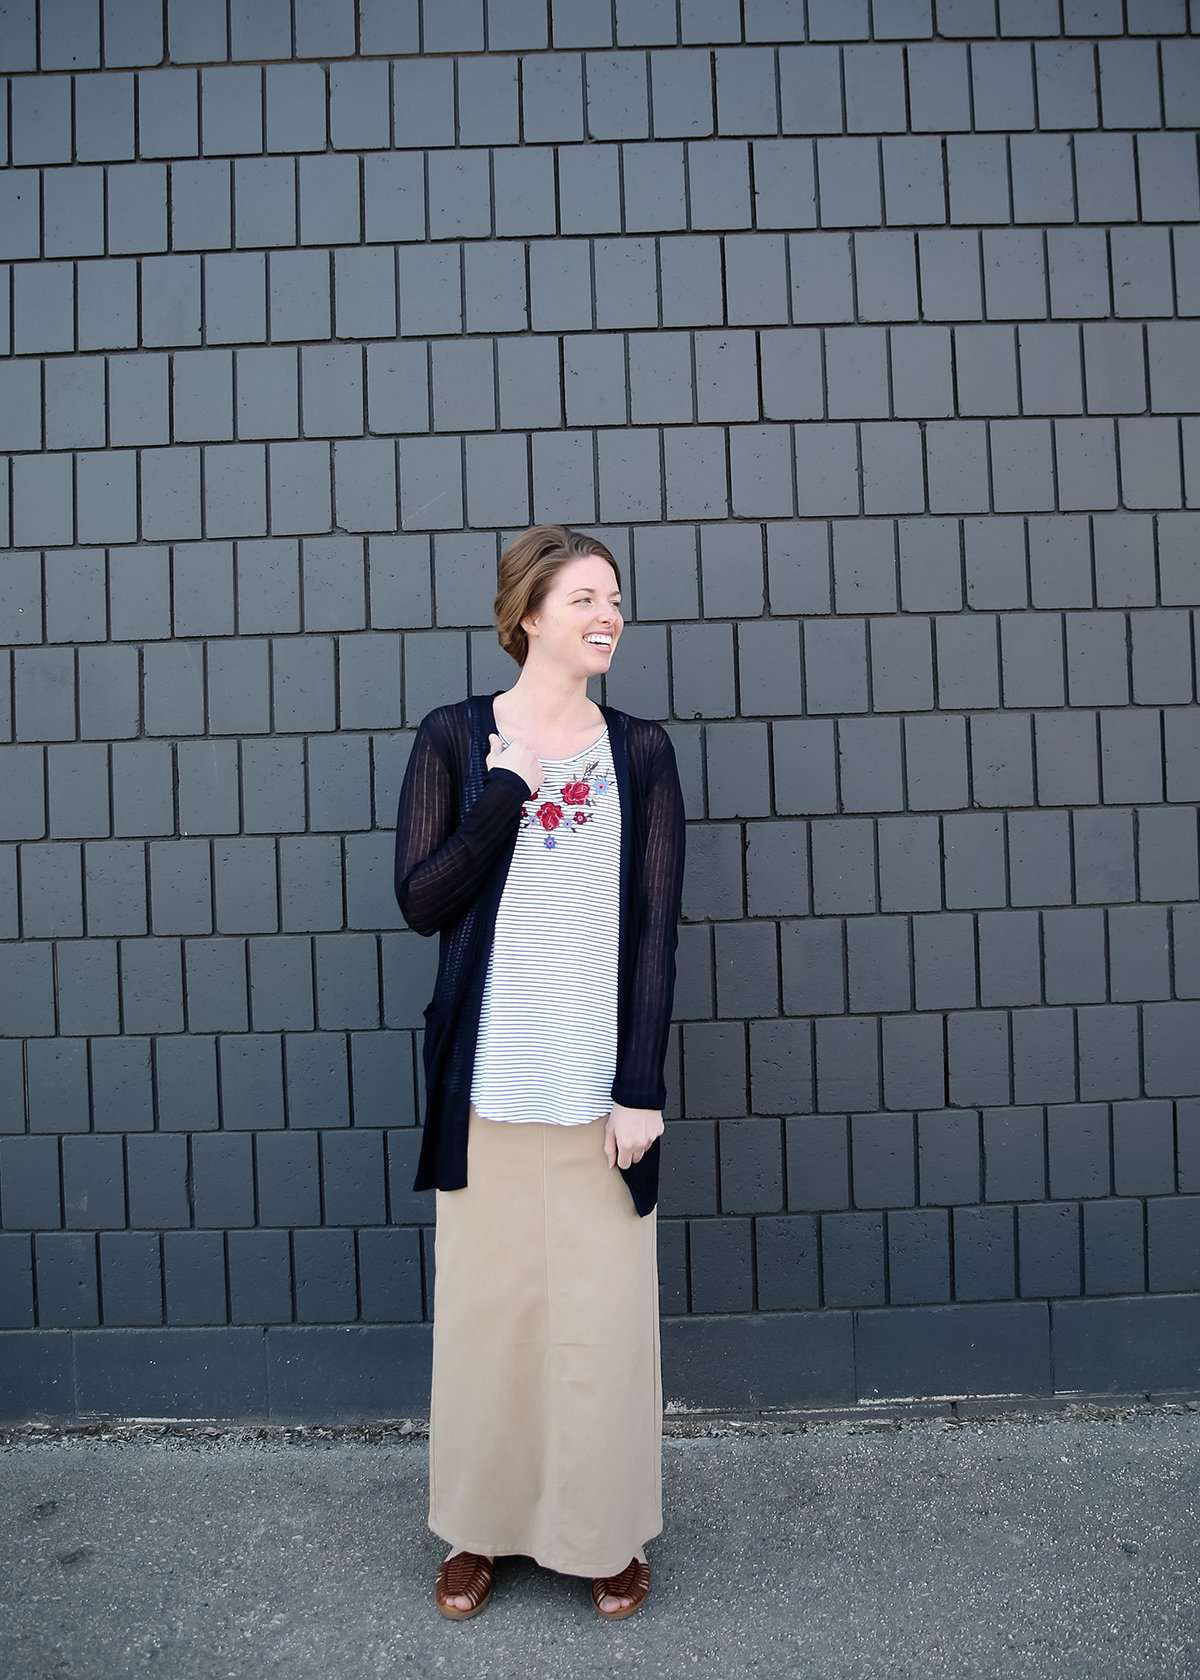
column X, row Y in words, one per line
column 584, row 601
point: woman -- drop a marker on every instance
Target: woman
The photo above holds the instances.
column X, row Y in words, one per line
column 542, row 836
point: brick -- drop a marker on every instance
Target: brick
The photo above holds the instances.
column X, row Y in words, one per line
column 552, row 97
column 496, row 286
column 848, row 182
column 661, row 378
column 326, row 1289
column 951, row 285
column 938, row 83
column 431, row 483
column 394, row 196
column 259, row 31
column 720, row 1265
column 1140, row 288
column 977, row 175
column 31, row 1182
column 1106, row 180
column 913, row 187
column 709, row 20
column 200, row 205
column 137, row 207
column 874, row 89
column 73, row 212
column 1113, row 1247
column 901, row 665
column 194, row 1277
column 810, row 90
column 430, row 289
column 852, row 1259
column 525, row 191
column 1149, row 461
column 398, row 387
column 681, row 87
column 1128, row 84
column 617, row 107
column 167, row 113
column 330, row 204
column 230, row 101
column 1066, row 86
column 791, row 375
column 66, row 1272
column 1002, row 84
column 654, row 191
column 770, row 662
column 1171, row 191
column 1043, row 188
column 746, row 94
column 332, row 381
column 41, row 120
column 1167, row 858
column 750, row 1165
column 130, row 1272
column 20, row 200
column 325, row 31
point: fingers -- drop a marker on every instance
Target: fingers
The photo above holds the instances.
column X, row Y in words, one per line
column 620, row 1155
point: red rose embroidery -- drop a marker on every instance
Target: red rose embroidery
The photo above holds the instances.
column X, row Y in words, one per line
column 550, row 815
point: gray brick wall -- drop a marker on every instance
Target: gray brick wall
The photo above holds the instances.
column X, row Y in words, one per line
column 868, row 335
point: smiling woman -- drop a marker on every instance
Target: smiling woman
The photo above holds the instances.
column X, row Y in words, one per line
column 542, row 835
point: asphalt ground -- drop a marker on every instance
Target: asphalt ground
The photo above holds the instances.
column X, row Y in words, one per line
column 1035, row 1544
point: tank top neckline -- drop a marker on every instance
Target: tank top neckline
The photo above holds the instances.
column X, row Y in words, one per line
column 573, row 756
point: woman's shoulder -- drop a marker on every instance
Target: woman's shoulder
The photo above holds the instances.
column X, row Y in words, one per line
column 446, row 720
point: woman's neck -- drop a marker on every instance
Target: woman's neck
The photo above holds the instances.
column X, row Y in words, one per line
column 547, row 708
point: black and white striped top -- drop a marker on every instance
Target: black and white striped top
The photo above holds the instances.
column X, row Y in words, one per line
column 547, row 1042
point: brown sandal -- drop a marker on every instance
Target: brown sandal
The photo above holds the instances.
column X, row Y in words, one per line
column 469, row 1573
column 633, row 1582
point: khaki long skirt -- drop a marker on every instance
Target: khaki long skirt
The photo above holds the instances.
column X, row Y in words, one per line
column 545, row 1428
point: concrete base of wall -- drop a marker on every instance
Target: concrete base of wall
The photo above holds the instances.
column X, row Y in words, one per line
column 858, row 1362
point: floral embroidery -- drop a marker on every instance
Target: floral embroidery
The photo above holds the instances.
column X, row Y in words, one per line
column 581, row 790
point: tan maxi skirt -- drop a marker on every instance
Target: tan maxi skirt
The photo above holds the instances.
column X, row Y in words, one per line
column 545, row 1426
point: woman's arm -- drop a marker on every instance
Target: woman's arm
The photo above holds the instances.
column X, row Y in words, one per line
column 639, row 1081
column 441, row 864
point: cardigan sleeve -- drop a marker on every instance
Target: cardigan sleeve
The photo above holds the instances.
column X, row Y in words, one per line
column 639, row 1081
column 441, row 864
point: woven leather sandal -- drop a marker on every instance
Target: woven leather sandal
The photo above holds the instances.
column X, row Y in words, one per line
column 470, row 1574
column 633, row 1582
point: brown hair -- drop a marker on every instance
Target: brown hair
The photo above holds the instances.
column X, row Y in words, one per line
column 527, row 570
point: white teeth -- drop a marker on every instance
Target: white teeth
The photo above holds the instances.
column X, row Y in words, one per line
column 599, row 641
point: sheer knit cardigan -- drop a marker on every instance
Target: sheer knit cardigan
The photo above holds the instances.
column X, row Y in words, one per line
column 456, row 829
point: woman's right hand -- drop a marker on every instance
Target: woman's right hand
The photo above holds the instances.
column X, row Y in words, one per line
column 516, row 756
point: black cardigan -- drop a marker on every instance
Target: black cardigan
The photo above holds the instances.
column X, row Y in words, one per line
column 456, row 829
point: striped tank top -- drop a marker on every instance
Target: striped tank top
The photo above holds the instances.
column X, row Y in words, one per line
column 547, row 1042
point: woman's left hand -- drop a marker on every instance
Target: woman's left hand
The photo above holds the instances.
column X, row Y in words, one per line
column 629, row 1132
